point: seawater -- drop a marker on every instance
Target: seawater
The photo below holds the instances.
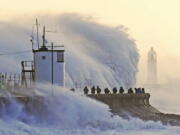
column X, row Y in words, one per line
column 70, row 113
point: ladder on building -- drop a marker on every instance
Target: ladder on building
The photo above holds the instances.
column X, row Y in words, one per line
column 27, row 73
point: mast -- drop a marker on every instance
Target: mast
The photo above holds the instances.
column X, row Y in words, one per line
column 52, row 71
column 44, row 36
column 52, row 47
column 37, row 28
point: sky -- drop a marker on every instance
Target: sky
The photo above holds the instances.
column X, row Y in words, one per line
column 150, row 22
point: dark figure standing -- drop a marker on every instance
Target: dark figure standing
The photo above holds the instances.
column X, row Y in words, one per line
column 86, row 90
column 114, row 90
column 136, row 90
column 121, row 90
column 93, row 90
column 143, row 90
column 140, row 90
column 98, row 90
column 106, row 91
column 130, row 91
column 72, row 89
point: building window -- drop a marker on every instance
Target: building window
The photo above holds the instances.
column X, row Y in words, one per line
column 60, row 57
column 43, row 57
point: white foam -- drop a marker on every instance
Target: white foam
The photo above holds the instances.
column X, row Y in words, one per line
column 70, row 113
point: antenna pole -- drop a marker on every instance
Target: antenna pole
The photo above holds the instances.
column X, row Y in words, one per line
column 52, row 47
column 44, row 36
column 37, row 27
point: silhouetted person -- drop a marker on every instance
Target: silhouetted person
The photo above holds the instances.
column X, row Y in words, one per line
column 121, row 90
column 93, row 90
column 98, row 90
column 130, row 91
column 138, row 90
column 106, row 91
column 114, row 90
column 72, row 89
column 143, row 90
column 86, row 90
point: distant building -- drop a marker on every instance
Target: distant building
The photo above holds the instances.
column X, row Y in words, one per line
column 152, row 67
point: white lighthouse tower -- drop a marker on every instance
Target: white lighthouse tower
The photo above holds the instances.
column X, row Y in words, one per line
column 152, row 67
column 49, row 64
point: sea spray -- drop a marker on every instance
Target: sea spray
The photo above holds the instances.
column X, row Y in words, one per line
column 73, row 113
column 95, row 54
column 102, row 55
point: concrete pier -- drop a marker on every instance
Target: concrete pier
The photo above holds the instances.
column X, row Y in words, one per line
column 127, row 104
column 135, row 105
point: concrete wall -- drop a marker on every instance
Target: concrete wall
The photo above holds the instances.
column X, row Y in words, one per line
column 127, row 105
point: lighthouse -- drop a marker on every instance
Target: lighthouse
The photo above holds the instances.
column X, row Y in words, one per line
column 49, row 66
column 152, row 67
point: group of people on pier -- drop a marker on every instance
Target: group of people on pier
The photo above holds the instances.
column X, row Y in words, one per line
column 121, row 90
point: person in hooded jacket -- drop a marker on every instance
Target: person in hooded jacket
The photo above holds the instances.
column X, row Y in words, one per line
column 98, row 90
column 114, row 90
column 121, row 90
column 86, row 90
column 93, row 90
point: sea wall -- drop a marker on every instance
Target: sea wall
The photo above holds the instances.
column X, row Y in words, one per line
column 127, row 105
column 117, row 100
column 135, row 105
